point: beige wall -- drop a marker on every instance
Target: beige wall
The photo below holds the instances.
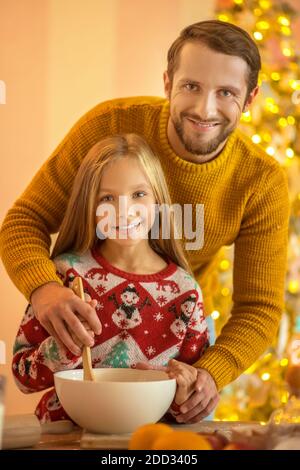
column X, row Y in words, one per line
column 58, row 58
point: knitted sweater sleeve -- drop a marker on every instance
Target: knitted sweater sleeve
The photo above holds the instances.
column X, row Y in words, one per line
column 36, row 354
column 25, row 233
column 258, row 280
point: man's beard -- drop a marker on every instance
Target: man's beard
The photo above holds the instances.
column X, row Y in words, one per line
column 201, row 148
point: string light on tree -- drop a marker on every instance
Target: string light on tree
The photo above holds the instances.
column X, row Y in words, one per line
column 273, row 122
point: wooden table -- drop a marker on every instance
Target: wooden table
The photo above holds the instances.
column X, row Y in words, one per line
column 69, row 441
column 72, row 440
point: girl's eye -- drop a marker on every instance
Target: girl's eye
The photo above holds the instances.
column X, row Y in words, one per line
column 106, row 198
column 139, row 194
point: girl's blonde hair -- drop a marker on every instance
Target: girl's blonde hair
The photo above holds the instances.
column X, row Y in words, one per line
column 78, row 228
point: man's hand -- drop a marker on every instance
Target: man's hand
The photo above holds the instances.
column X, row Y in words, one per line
column 196, row 395
column 87, row 327
column 57, row 308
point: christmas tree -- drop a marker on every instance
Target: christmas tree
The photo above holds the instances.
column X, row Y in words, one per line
column 273, row 123
column 118, row 357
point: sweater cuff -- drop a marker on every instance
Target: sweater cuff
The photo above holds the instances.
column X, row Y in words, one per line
column 220, row 365
column 29, row 279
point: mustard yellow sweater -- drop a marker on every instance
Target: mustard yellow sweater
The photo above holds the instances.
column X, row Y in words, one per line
column 245, row 197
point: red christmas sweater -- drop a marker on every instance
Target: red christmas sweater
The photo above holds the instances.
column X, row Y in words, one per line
column 145, row 318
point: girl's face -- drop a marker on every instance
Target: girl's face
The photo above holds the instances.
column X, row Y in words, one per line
column 126, row 203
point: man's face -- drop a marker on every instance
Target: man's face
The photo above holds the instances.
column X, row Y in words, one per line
column 207, row 99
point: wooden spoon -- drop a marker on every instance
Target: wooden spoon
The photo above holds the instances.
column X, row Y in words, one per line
column 88, row 373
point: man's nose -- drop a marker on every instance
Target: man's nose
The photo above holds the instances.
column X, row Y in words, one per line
column 206, row 106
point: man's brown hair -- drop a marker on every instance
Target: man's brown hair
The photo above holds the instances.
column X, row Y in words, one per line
column 221, row 37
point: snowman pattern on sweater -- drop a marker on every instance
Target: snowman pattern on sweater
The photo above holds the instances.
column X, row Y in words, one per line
column 145, row 318
column 127, row 314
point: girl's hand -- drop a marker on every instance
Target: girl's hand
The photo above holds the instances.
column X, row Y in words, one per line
column 186, row 377
column 196, row 395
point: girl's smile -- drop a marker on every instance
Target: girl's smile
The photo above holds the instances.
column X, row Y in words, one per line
column 130, row 227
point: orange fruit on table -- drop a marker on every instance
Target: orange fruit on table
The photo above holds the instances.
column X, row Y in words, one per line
column 144, row 436
column 238, row 446
column 181, row 440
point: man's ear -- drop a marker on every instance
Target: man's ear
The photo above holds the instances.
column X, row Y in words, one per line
column 250, row 98
column 167, row 85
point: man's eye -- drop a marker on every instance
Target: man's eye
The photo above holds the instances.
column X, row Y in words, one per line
column 226, row 93
column 106, row 198
column 190, row 86
column 139, row 194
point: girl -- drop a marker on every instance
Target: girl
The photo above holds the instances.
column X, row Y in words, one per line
column 139, row 281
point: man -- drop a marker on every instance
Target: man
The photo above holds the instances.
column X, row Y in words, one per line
column 210, row 80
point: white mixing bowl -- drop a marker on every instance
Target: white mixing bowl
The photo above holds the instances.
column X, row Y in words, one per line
column 118, row 401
